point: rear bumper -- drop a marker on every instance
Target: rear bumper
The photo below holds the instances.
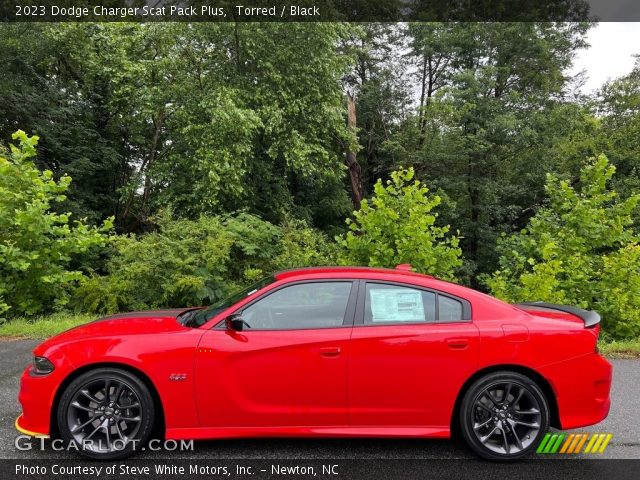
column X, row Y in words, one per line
column 582, row 386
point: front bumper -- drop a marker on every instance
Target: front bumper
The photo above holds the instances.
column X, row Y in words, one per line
column 36, row 397
column 582, row 387
column 24, row 431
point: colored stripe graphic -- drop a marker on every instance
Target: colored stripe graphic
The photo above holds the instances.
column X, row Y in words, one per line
column 543, row 443
column 605, row 443
column 584, row 439
column 550, row 443
column 593, row 439
column 596, row 445
column 573, row 443
column 567, row 443
column 556, row 445
column 576, row 441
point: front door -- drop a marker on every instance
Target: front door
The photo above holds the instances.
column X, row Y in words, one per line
column 288, row 367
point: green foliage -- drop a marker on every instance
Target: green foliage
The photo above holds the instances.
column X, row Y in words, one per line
column 398, row 225
column 620, row 135
column 620, row 348
column 577, row 250
column 382, row 94
column 488, row 117
column 207, row 119
column 302, row 246
column 204, row 118
column 619, row 292
column 181, row 264
column 36, row 244
column 196, row 262
column 55, row 82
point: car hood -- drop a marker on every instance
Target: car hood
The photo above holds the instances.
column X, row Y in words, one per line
column 134, row 323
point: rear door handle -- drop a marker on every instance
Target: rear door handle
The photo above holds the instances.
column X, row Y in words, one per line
column 458, row 343
column 330, row 351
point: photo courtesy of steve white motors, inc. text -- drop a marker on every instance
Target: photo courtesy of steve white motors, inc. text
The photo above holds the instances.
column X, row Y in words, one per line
column 173, row 470
column 76, row 12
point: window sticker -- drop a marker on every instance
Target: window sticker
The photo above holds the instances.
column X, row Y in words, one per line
column 396, row 305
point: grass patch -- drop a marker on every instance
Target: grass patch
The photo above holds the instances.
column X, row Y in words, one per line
column 620, row 348
column 43, row 327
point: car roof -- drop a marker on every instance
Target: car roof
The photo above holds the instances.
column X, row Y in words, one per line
column 400, row 270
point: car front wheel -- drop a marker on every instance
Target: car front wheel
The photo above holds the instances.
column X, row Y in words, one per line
column 503, row 416
column 107, row 413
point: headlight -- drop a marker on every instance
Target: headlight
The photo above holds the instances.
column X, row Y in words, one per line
column 42, row 366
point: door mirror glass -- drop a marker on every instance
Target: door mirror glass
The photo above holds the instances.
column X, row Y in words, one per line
column 235, row 322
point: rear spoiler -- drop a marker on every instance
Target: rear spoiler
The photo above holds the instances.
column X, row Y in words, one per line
column 590, row 317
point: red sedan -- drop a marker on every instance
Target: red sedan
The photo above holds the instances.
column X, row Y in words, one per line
column 324, row 352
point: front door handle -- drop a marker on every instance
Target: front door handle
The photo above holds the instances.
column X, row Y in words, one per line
column 330, row 351
column 458, row 343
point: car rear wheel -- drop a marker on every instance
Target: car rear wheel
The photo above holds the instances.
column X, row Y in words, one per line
column 106, row 413
column 503, row 416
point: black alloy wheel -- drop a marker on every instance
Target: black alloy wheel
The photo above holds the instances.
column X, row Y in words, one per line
column 504, row 416
column 106, row 413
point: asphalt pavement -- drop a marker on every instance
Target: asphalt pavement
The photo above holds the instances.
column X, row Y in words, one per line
column 623, row 422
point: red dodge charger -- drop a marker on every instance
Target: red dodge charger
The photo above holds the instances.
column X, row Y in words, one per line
column 323, row 352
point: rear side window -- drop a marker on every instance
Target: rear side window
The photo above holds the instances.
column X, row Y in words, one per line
column 389, row 303
column 449, row 309
column 397, row 304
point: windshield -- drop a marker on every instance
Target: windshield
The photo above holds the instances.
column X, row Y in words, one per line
column 197, row 318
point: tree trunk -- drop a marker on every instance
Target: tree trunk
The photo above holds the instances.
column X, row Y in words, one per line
column 236, row 35
column 423, row 91
column 355, row 171
column 158, row 122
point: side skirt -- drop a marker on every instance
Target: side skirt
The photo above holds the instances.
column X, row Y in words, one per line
column 301, row 431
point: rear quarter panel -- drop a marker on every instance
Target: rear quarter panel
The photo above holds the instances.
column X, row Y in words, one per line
column 559, row 349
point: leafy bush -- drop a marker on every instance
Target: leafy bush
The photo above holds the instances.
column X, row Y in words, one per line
column 578, row 250
column 302, row 246
column 398, row 225
column 183, row 263
column 37, row 244
column 197, row 262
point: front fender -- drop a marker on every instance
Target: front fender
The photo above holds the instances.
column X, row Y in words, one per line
column 162, row 360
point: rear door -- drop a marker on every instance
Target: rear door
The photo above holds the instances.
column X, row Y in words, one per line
column 289, row 368
column 411, row 351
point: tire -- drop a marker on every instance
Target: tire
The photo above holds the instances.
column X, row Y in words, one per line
column 504, row 416
column 106, row 427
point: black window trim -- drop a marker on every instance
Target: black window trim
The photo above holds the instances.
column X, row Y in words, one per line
column 359, row 319
column 347, row 322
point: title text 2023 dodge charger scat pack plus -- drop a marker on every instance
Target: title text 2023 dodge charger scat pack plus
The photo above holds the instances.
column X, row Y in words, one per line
column 324, row 352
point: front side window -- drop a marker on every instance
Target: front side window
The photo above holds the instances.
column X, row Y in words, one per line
column 300, row 306
column 197, row 318
column 397, row 304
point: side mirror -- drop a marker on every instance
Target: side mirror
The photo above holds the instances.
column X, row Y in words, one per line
column 235, row 322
